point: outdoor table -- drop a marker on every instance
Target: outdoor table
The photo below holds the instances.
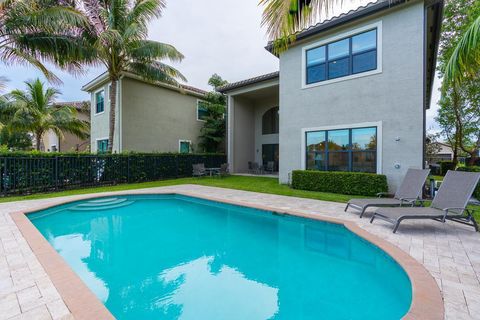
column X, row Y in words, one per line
column 211, row 171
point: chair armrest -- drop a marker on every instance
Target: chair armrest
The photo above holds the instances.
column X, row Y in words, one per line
column 380, row 194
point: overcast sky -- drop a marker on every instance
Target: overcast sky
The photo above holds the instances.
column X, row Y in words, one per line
column 216, row 36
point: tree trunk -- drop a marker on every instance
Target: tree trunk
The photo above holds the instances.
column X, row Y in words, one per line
column 113, row 104
column 38, row 138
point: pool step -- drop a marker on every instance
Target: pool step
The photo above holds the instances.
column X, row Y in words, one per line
column 102, row 202
column 102, row 206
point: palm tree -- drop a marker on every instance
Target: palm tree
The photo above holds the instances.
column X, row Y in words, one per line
column 34, row 111
column 33, row 32
column 117, row 38
column 466, row 56
column 284, row 17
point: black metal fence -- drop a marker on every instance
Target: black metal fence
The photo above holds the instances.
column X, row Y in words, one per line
column 30, row 174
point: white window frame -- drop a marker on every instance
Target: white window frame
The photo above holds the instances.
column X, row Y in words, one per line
column 96, row 142
column 377, row 124
column 196, row 116
column 95, row 101
column 377, row 25
column 180, row 145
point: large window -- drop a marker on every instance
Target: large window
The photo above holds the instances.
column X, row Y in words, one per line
column 202, row 110
column 100, row 101
column 342, row 150
column 270, row 121
column 102, row 146
column 341, row 58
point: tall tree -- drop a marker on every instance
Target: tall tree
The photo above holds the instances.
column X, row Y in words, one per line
column 212, row 134
column 34, row 110
column 459, row 112
column 116, row 37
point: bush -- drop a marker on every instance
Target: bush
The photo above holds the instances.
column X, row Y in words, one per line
column 476, row 193
column 355, row 183
column 445, row 166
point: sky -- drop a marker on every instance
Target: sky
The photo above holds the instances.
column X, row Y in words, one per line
column 215, row 36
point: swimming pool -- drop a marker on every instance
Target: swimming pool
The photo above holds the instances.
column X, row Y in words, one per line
column 177, row 257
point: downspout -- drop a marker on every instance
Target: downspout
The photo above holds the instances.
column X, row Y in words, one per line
column 120, row 113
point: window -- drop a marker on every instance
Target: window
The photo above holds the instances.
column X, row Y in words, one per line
column 270, row 121
column 100, row 101
column 352, row 55
column 202, row 110
column 184, row 146
column 342, row 150
column 102, row 146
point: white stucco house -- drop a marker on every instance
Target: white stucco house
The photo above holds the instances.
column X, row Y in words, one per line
column 350, row 95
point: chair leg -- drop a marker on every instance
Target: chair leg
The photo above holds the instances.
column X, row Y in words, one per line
column 348, row 204
column 397, row 224
column 373, row 217
column 363, row 211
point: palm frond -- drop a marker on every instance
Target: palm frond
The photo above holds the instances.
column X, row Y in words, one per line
column 466, row 56
column 156, row 71
column 152, row 50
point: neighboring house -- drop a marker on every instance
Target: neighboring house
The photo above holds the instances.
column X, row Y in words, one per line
column 150, row 117
column 52, row 143
column 444, row 153
column 351, row 95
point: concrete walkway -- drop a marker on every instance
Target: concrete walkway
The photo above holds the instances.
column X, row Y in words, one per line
column 450, row 252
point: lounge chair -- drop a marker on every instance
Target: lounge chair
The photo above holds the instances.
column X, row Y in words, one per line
column 407, row 194
column 224, row 171
column 450, row 203
column 199, row 170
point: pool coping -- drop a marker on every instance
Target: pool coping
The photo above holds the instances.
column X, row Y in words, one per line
column 427, row 300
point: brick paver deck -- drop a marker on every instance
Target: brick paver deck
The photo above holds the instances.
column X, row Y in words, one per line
column 450, row 252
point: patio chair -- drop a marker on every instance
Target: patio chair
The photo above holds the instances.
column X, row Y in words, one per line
column 407, row 194
column 450, row 203
column 223, row 172
column 270, row 167
column 256, row 168
column 199, row 170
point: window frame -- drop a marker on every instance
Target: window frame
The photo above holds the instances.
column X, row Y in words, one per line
column 180, row 146
column 198, row 104
column 96, row 145
column 274, row 123
column 95, row 101
column 325, row 42
column 349, row 127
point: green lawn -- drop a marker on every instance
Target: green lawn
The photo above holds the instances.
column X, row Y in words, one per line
column 256, row 184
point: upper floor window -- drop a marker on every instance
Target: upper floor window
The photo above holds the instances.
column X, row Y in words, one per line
column 270, row 121
column 99, row 101
column 352, row 55
column 202, row 110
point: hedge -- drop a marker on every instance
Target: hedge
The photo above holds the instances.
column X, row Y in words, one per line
column 354, row 183
column 445, row 166
column 476, row 193
column 24, row 173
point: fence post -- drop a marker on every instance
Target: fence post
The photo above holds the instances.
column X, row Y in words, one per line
column 128, row 168
column 176, row 166
column 56, row 173
column 5, row 177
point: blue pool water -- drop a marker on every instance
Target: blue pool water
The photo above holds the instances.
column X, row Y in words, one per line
column 176, row 257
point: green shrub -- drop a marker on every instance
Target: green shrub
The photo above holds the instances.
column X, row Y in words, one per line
column 445, row 166
column 476, row 193
column 355, row 183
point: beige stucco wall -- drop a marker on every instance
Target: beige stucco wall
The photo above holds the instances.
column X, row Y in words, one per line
column 243, row 134
column 155, row 119
column 99, row 122
column 69, row 142
column 262, row 106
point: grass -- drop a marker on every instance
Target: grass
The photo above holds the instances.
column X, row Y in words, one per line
column 256, row 184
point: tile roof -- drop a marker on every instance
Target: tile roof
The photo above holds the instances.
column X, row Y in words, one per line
column 79, row 105
column 234, row 85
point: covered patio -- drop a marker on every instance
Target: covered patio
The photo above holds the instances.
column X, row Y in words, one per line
column 253, row 125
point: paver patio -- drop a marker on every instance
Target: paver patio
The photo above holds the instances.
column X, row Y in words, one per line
column 450, row 252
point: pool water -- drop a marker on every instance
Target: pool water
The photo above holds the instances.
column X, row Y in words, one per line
column 177, row 257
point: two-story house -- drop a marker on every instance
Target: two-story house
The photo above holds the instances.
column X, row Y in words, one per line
column 351, row 95
column 149, row 117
